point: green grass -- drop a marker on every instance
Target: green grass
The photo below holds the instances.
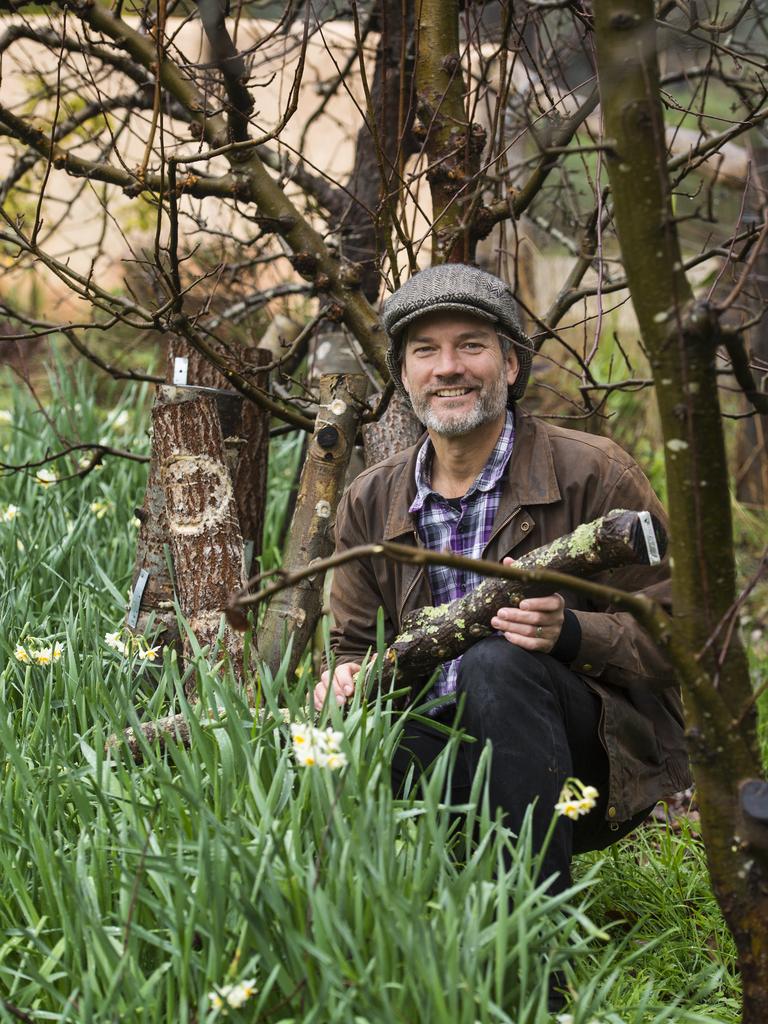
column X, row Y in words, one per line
column 131, row 892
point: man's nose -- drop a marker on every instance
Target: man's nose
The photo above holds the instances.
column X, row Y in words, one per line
column 448, row 363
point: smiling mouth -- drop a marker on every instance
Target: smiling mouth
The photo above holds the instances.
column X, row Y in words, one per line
column 451, row 392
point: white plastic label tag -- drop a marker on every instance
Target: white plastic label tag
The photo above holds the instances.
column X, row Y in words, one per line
column 180, row 369
column 650, row 538
column 138, row 591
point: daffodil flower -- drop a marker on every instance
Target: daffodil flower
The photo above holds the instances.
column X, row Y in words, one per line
column 317, row 748
column 233, row 995
column 576, row 799
column 45, row 477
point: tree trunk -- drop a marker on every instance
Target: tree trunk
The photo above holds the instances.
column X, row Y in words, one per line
column 397, row 429
column 203, row 528
column 752, row 443
column 682, row 338
column 452, row 145
column 381, row 150
column 293, row 614
column 247, row 445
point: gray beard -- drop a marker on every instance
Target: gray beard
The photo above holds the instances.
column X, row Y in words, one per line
column 489, row 405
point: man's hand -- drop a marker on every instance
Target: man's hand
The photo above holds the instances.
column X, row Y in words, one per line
column 535, row 625
column 343, row 684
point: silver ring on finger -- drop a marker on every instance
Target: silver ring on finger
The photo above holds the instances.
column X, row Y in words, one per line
column 538, row 632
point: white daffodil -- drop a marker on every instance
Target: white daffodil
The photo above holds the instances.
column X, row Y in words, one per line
column 335, row 761
column 21, row 654
column 43, row 656
column 301, row 734
column 576, row 799
column 568, row 809
column 6, row 417
column 332, row 740
column 317, row 748
column 45, row 477
column 149, row 654
column 9, row 513
column 233, row 995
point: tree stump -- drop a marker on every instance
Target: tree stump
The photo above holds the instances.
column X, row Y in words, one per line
column 201, row 512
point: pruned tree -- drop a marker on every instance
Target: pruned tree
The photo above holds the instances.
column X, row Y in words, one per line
column 197, row 179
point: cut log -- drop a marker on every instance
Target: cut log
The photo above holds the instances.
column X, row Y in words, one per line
column 294, row 613
column 245, row 429
column 433, row 635
column 203, row 527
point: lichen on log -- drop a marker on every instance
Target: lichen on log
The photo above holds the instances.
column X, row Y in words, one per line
column 433, row 635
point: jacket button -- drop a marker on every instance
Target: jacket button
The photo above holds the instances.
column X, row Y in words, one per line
column 611, row 812
column 525, row 527
column 586, row 667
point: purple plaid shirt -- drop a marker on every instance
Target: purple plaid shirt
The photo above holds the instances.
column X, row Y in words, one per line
column 461, row 525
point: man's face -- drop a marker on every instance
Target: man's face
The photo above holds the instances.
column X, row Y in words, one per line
column 455, row 372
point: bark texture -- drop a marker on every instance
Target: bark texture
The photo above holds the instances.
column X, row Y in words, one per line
column 682, row 338
column 157, row 598
column 452, row 144
column 397, row 429
column 294, row 613
column 246, row 430
column 203, row 527
column 431, row 636
column 752, row 443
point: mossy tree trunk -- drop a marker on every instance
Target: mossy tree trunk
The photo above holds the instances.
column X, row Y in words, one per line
column 682, row 338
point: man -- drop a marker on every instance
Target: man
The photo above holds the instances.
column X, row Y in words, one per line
column 566, row 688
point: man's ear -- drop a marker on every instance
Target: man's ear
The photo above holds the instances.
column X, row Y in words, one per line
column 513, row 365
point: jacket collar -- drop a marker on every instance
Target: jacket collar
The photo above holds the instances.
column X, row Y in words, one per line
column 530, row 478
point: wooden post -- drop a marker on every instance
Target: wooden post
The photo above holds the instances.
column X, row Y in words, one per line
column 201, row 513
column 246, row 435
column 294, row 613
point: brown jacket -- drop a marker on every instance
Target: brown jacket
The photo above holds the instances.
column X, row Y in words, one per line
column 556, row 479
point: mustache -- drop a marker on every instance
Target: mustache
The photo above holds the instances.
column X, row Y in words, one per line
column 453, row 382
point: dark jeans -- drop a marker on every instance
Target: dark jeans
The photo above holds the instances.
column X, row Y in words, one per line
column 542, row 721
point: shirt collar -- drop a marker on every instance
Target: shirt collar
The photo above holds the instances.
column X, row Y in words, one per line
column 488, row 477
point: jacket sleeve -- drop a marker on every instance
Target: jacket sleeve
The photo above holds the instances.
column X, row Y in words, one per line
column 355, row 597
column 614, row 646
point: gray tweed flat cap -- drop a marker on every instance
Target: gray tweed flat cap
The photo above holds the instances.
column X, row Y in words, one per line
column 459, row 288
